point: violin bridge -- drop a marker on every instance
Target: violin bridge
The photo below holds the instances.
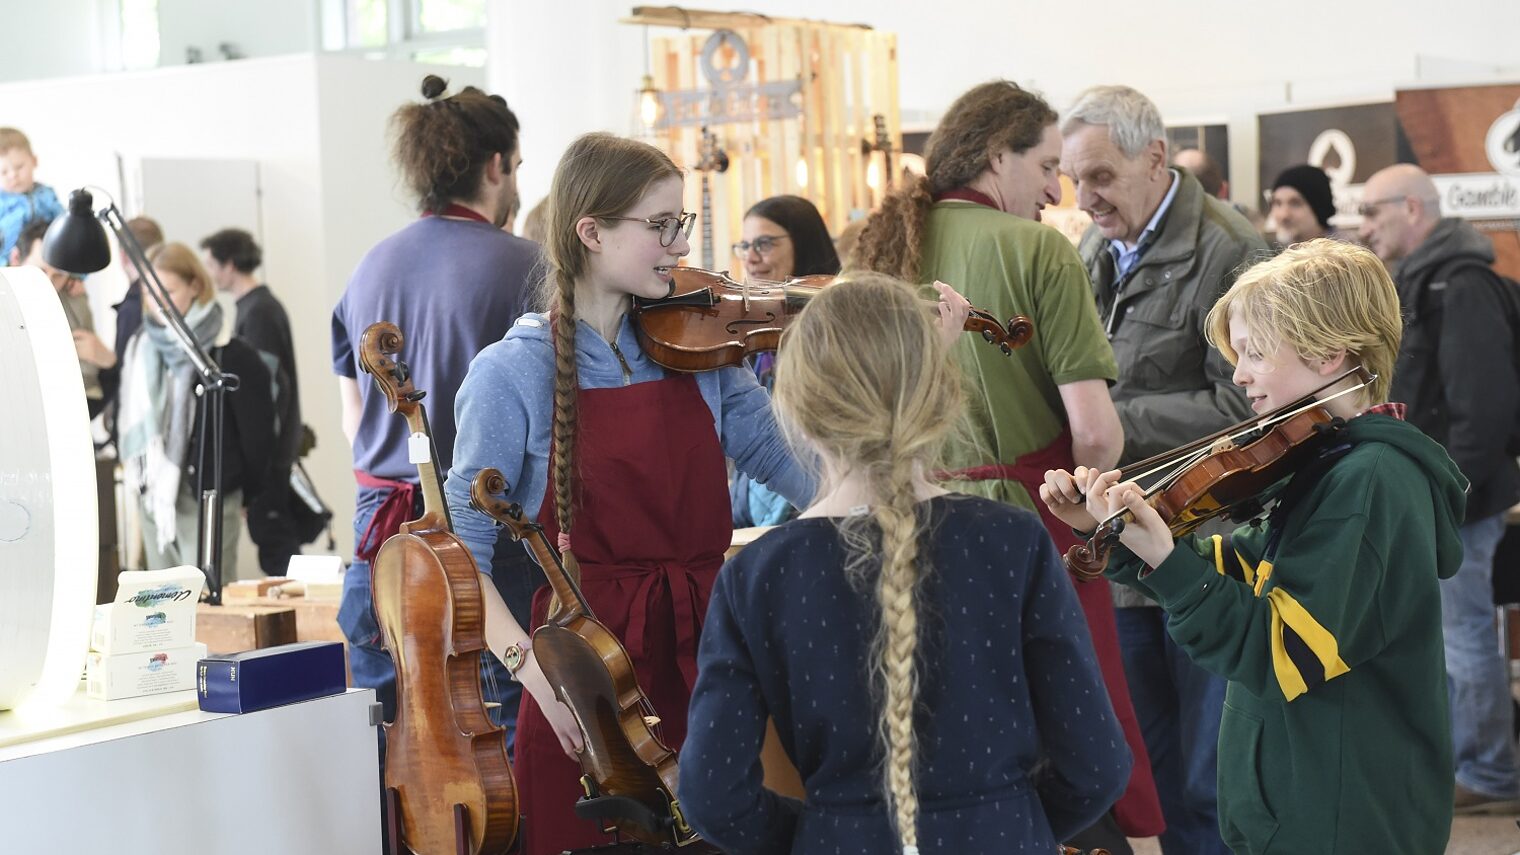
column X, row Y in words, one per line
column 652, row 721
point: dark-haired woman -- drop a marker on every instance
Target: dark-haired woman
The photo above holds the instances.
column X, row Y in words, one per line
column 973, row 222
column 783, row 236
column 454, row 282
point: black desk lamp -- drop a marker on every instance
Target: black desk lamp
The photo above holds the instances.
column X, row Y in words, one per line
column 76, row 243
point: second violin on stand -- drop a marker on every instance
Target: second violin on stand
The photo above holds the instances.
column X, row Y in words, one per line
column 629, row 775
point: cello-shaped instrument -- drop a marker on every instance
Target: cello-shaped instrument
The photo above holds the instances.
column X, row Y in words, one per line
column 624, row 762
column 710, row 321
column 445, row 759
column 1220, row 474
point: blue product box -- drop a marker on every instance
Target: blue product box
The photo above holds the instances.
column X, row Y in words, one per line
column 271, row 676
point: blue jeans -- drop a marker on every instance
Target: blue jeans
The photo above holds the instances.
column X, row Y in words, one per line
column 515, row 576
column 1477, row 677
column 1178, row 706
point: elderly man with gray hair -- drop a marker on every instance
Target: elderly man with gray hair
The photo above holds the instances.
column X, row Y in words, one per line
column 1160, row 252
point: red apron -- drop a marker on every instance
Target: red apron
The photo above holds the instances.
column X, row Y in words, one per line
column 1139, row 809
column 651, row 524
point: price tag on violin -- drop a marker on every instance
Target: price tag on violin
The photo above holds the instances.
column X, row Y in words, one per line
column 418, row 449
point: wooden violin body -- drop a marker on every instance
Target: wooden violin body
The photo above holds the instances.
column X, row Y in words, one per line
column 710, row 321
column 1232, row 472
column 442, row 749
column 623, row 756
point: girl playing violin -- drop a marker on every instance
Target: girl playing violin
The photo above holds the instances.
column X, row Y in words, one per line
column 1326, row 620
column 599, row 443
column 922, row 654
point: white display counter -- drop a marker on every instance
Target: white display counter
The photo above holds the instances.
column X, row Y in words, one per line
column 157, row 776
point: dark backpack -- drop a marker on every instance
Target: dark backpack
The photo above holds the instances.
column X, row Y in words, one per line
column 1509, row 297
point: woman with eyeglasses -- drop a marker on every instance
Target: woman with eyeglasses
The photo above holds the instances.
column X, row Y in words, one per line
column 784, row 236
column 613, row 455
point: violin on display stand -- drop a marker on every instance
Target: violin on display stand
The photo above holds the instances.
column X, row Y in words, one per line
column 448, row 784
column 710, row 321
column 629, row 774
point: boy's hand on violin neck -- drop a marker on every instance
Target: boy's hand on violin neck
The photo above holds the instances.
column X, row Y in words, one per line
column 1144, row 533
column 1062, row 493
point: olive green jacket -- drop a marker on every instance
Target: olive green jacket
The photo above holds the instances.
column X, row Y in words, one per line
column 1173, row 387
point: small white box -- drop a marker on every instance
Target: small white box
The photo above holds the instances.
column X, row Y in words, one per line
column 154, row 610
column 147, row 672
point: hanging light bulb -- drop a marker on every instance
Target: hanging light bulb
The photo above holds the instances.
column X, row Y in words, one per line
column 649, row 97
column 649, row 102
column 873, row 175
column 802, row 172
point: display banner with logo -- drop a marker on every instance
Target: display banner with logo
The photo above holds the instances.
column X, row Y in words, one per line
column 1468, row 139
column 1349, row 143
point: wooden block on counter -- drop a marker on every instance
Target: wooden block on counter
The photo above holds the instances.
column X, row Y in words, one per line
column 316, row 618
column 233, row 628
column 244, row 590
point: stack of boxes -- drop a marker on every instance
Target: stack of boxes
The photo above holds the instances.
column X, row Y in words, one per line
column 144, row 642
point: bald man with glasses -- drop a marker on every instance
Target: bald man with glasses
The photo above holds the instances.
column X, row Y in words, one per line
column 1456, row 372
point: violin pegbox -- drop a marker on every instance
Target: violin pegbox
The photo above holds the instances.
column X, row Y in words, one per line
column 379, row 343
column 486, row 493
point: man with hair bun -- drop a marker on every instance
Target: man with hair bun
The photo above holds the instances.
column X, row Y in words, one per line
column 454, row 282
column 1159, row 253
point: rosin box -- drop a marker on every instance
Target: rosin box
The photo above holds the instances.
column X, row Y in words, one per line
column 271, row 676
column 144, row 672
column 154, row 610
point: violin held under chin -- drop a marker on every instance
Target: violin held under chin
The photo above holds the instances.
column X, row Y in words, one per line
column 1220, row 475
column 710, row 321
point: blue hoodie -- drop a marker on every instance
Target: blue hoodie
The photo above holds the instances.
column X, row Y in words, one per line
column 18, row 209
column 505, row 415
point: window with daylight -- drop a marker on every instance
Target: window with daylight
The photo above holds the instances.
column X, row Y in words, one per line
column 139, row 33
column 448, row 32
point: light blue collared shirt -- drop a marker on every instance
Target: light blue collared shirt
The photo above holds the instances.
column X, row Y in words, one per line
column 1125, row 257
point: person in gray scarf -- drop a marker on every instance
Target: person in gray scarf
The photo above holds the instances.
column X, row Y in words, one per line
column 159, row 426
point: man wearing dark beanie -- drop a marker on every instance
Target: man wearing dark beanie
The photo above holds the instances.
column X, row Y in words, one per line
column 1302, row 204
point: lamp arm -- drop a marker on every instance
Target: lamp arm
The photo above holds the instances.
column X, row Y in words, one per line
column 210, row 372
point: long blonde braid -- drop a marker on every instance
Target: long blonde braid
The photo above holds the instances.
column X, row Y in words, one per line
column 864, row 377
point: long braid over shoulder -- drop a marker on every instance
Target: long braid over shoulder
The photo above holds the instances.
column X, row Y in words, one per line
column 981, row 123
column 599, row 176
column 864, row 377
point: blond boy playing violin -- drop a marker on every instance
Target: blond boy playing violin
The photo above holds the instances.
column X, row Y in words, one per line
column 1326, row 619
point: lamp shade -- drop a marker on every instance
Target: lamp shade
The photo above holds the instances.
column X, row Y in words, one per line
column 76, row 242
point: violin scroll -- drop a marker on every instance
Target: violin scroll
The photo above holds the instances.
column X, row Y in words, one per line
column 1087, row 560
column 377, row 347
column 485, row 495
column 1008, row 337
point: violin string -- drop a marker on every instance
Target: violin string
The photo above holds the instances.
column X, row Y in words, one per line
column 1177, row 467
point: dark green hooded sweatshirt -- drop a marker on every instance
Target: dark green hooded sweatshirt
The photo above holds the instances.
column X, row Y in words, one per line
column 1336, row 734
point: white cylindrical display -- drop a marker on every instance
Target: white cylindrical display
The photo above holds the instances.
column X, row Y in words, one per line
column 49, row 540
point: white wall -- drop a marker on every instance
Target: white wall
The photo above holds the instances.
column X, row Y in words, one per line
column 51, row 39
column 1198, row 59
column 316, row 124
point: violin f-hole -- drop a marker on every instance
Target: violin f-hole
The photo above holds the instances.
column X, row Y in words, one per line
column 733, row 326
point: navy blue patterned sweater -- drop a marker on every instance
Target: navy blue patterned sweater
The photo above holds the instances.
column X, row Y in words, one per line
column 1008, row 683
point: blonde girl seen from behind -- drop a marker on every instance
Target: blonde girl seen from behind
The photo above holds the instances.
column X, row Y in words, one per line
column 865, row 380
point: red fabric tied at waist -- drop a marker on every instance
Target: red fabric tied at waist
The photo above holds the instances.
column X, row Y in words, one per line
column 688, row 606
column 395, row 509
column 1029, row 471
